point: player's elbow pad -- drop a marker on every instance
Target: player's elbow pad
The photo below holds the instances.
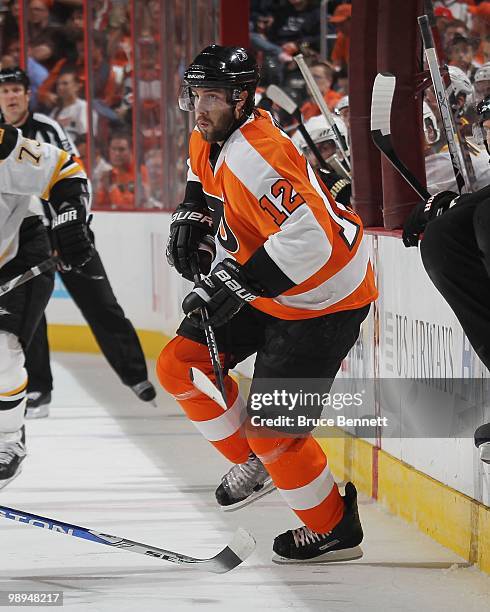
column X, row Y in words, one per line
column 72, row 191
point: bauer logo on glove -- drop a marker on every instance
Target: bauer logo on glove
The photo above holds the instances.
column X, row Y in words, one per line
column 190, row 238
column 222, row 293
column 71, row 239
column 192, row 216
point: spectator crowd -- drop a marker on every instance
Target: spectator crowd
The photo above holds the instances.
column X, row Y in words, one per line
column 281, row 28
column 73, row 58
column 81, row 70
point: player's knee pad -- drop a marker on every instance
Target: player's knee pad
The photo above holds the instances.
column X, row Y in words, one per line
column 175, row 361
column 13, row 376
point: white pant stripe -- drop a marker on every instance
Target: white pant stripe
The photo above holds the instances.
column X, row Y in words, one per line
column 226, row 424
column 312, row 494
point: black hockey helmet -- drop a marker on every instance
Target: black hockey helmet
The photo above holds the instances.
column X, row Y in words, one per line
column 14, row 75
column 232, row 68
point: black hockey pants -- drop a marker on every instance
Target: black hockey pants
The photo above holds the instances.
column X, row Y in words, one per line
column 456, row 254
column 114, row 333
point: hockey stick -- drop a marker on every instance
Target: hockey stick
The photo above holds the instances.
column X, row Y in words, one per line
column 317, row 96
column 205, row 385
column 383, row 90
column 213, row 351
column 280, row 97
column 240, row 547
column 44, row 266
column 17, row 281
column 443, row 102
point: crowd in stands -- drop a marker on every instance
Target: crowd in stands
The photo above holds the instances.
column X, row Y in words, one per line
column 125, row 156
column 68, row 64
column 281, row 28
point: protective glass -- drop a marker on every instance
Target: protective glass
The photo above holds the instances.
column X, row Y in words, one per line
column 200, row 99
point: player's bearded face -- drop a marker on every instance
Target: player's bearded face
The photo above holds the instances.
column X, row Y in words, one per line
column 214, row 114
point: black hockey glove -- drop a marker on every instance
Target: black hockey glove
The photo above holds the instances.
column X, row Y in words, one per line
column 191, row 239
column 424, row 212
column 223, row 293
column 71, row 238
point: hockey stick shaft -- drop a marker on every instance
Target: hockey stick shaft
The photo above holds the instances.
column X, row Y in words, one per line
column 211, row 340
column 214, row 354
column 280, row 97
column 448, row 122
column 317, row 96
column 231, row 556
column 312, row 146
column 17, row 281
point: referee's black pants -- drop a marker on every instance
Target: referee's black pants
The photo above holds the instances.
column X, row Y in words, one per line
column 456, row 254
column 114, row 333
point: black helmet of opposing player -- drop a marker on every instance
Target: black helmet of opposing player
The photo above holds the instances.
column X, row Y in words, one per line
column 231, row 68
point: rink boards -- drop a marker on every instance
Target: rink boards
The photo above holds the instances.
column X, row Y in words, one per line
column 410, row 334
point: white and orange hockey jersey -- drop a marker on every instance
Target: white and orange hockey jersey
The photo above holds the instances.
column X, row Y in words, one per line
column 27, row 168
column 273, row 214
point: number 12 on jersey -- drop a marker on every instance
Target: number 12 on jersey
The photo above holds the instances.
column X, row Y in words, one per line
column 287, row 201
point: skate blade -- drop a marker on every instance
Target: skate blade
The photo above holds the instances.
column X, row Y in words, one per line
column 268, row 487
column 333, row 556
column 4, row 483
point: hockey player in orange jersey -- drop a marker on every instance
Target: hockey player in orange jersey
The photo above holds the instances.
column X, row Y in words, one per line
column 290, row 280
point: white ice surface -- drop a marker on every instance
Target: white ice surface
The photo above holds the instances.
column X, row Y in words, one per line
column 107, row 461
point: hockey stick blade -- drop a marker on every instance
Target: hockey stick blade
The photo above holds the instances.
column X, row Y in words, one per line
column 382, row 99
column 206, row 386
column 241, row 546
column 281, row 98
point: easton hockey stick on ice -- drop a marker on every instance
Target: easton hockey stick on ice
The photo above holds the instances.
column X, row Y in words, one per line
column 240, row 547
column 17, row 281
column 317, row 96
column 447, row 117
column 383, row 90
column 281, row 98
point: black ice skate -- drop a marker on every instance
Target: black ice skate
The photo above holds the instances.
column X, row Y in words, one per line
column 37, row 406
column 341, row 544
column 145, row 391
column 482, row 441
column 12, row 453
column 243, row 484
